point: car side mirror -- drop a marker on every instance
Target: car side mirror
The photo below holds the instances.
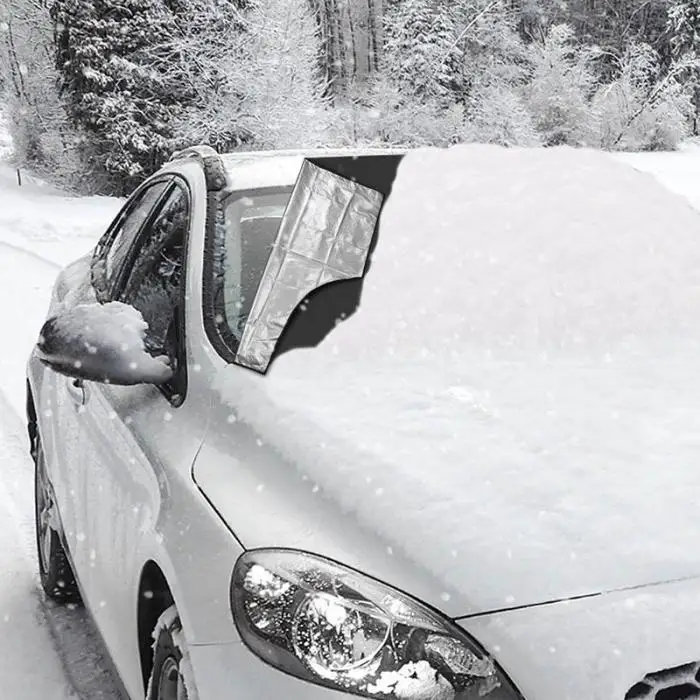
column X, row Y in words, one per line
column 102, row 343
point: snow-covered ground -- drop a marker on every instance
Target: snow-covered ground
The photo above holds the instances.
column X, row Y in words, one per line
column 47, row 652
column 678, row 171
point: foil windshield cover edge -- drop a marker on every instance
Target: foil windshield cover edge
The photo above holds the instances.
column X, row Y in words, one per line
column 325, row 236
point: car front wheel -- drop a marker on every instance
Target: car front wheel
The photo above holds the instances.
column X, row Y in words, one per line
column 55, row 571
column 171, row 677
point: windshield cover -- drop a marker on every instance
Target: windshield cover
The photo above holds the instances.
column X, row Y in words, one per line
column 281, row 246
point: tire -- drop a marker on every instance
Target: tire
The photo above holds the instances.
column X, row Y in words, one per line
column 55, row 572
column 171, row 676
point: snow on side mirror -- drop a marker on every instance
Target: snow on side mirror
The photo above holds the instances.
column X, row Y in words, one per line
column 102, row 343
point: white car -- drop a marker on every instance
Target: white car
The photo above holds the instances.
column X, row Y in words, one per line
column 371, row 493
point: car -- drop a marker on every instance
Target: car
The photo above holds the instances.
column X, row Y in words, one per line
column 236, row 531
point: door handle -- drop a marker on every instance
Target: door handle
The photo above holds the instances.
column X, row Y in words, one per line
column 76, row 391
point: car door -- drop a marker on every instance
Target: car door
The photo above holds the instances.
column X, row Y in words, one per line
column 65, row 445
column 139, row 438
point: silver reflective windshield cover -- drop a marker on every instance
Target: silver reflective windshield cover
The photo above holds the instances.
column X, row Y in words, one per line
column 324, row 236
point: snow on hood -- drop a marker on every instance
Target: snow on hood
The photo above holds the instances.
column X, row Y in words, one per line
column 515, row 403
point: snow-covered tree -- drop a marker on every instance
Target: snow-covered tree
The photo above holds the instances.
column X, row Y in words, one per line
column 643, row 109
column 204, row 57
column 493, row 69
column 614, row 25
column 492, row 53
column 684, row 23
column 283, row 103
column 333, row 46
column 560, row 87
column 421, row 50
column 684, row 29
column 465, row 53
column 499, row 116
column 379, row 112
column 41, row 132
column 536, row 17
column 117, row 99
column 350, row 33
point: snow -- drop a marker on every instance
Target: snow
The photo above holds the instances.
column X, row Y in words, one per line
column 113, row 335
column 20, row 610
column 45, row 651
column 414, row 681
column 677, row 171
column 169, row 622
column 186, row 670
column 573, row 411
column 5, row 140
column 523, row 389
column 39, row 218
column 540, row 249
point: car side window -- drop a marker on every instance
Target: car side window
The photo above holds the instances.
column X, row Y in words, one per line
column 155, row 276
column 114, row 248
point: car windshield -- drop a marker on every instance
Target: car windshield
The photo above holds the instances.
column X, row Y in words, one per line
column 252, row 220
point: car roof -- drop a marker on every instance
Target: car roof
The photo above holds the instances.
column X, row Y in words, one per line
column 354, row 151
column 260, row 169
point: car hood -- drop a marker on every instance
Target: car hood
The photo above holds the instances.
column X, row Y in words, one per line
column 512, row 410
column 510, row 480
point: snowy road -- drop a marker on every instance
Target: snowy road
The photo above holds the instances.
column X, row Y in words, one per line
column 27, row 653
column 48, row 652
column 45, row 651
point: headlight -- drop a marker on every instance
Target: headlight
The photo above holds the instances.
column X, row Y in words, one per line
column 331, row 625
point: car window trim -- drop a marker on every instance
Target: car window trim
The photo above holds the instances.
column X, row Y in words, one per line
column 175, row 181
column 220, row 335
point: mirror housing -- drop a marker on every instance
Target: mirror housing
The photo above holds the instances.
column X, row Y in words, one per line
column 101, row 343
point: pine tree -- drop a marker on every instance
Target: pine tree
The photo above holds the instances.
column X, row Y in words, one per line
column 204, row 65
column 615, row 24
column 493, row 51
column 560, row 86
column 684, row 28
column 420, row 50
column 114, row 96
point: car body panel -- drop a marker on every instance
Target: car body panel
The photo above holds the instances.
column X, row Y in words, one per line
column 541, row 423
column 189, row 488
column 281, row 168
column 284, row 508
column 122, row 486
column 133, row 426
column 367, row 460
column 650, row 630
column 54, row 395
column 225, row 671
column 595, row 648
column 315, row 492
